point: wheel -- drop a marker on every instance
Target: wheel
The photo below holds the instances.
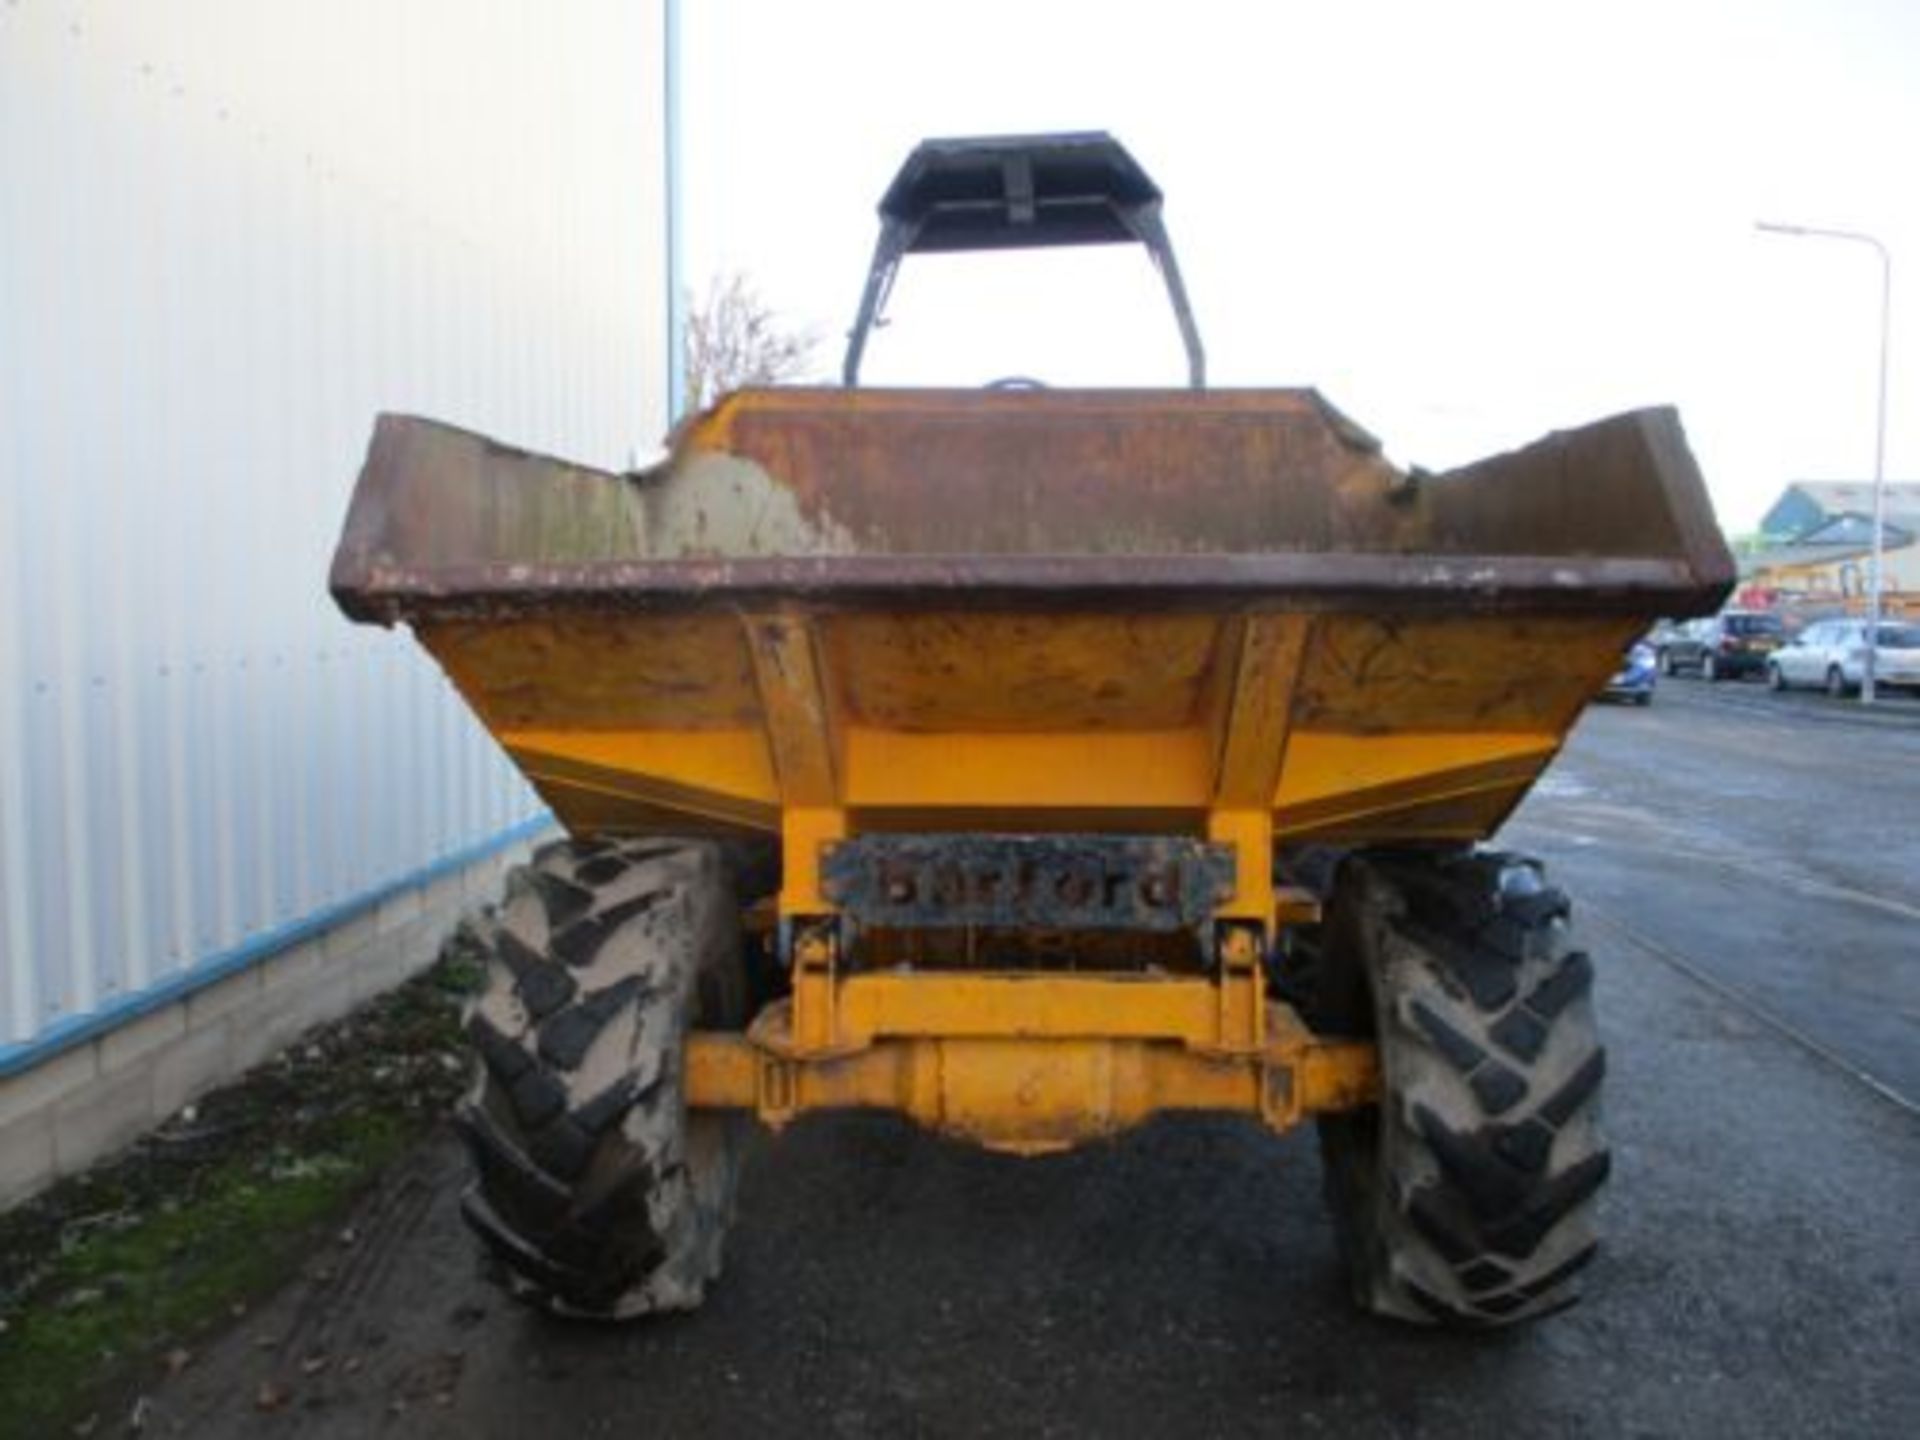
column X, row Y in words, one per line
column 1775, row 680
column 1644, row 698
column 1465, row 1197
column 1836, row 682
column 1709, row 667
column 596, row 1191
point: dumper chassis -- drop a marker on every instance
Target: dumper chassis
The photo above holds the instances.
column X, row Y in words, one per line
column 1030, row 763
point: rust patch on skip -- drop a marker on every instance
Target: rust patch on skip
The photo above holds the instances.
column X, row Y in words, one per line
column 1060, row 499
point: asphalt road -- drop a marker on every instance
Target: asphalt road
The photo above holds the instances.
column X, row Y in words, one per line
column 1748, row 872
column 1767, row 843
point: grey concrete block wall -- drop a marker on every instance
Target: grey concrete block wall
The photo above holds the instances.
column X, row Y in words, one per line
column 83, row 1104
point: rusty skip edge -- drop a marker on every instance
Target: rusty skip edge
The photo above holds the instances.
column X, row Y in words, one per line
column 386, row 593
column 372, row 584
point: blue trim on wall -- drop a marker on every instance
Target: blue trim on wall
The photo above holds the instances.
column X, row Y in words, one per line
column 74, row 1030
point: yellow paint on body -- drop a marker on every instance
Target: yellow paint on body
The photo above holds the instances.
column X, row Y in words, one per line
column 1033, row 1063
column 1251, row 729
column 669, row 652
column 961, row 719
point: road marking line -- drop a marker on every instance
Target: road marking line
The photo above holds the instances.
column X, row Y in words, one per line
column 1759, row 1012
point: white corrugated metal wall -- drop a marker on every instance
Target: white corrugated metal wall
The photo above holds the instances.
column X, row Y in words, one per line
column 233, row 231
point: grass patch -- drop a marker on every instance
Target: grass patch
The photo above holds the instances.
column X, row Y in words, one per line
column 109, row 1273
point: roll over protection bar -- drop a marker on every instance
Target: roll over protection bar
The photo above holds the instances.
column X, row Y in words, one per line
column 1019, row 192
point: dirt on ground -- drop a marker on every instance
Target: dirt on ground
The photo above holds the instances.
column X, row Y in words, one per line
column 111, row 1279
column 1757, row 1277
column 1757, row 1273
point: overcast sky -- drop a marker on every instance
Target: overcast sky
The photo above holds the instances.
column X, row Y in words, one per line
column 1466, row 223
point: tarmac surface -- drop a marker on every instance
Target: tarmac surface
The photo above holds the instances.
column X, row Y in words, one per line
column 1746, row 871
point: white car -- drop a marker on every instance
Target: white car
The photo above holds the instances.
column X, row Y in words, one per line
column 1832, row 655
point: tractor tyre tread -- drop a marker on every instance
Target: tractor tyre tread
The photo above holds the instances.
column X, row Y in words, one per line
column 596, row 1193
column 1466, row 1197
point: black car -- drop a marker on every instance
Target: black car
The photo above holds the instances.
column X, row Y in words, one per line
column 1731, row 644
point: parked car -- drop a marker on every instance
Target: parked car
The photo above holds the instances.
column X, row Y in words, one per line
column 1832, row 655
column 1731, row 644
column 1634, row 680
column 1661, row 636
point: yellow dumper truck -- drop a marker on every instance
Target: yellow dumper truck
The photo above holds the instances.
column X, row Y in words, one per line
column 1030, row 762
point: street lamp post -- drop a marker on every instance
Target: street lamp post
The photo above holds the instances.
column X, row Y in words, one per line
column 1879, row 434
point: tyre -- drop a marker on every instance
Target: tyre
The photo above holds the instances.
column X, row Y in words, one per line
column 1836, row 682
column 597, row 1192
column 1466, row 1196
